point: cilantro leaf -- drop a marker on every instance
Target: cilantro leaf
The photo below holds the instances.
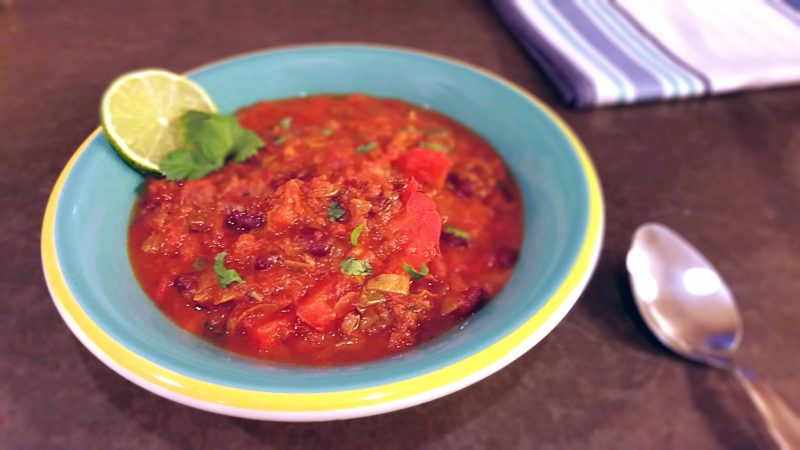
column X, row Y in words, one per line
column 357, row 267
column 433, row 146
column 326, row 131
column 286, row 122
column 246, row 146
column 209, row 135
column 355, row 234
column 335, row 211
column 457, row 232
column 184, row 165
column 226, row 276
column 366, row 148
column 416, row 275
column 206, row 141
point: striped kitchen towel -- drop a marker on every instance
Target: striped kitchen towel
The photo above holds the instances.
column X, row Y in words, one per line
column 610, row 52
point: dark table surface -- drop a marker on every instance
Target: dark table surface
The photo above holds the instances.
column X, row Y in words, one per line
column 724, row 171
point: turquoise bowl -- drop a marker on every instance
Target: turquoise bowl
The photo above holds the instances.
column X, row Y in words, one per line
column 89, row 275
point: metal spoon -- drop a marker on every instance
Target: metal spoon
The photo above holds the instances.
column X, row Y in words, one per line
column 689, row 308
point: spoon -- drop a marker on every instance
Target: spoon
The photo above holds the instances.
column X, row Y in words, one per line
column 688, row 307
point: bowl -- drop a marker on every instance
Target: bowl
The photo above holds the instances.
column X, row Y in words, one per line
column 88, row 273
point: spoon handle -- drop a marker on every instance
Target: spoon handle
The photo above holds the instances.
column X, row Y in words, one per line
column 782, row 422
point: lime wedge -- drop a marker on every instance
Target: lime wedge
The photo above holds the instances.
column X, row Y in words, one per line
column 140, row 110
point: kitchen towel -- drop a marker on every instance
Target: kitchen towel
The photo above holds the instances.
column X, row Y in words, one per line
column 612, row 52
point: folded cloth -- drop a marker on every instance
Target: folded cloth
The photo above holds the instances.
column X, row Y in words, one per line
column 608, row 52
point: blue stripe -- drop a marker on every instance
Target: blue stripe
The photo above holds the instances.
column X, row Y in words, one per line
column 646, row 53
column 569, row 36
column 794, row 3
column 786, row 10
column 646, row 85
column 647, row 35
column 575, row 87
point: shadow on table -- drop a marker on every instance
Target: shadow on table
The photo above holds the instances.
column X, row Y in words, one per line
column 726, row 410
column 608, row 304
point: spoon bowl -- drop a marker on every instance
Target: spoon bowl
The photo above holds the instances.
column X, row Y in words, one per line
column 681, row 297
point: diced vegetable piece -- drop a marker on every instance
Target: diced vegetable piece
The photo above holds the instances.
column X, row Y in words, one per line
column 390, row 282
column 421, row 223
column 288, row 207
column 198, row 192
column 426, row 165
column 355, row 267
column 350, row 323
column 354, row 235
column 316, row 309
column 413, row 186
column 272, row 332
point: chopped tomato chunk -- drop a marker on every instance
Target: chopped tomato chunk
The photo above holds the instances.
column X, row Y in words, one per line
column 428, row 166
column 413, row 186
column 420, row 225
column 316, row 309
column 271, row 332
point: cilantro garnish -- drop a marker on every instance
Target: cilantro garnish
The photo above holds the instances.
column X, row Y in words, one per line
column 366, row 148
column 433, row 146
column 355, row 234
column 457, row 232
column 326, row 131
column 416, row 275
column 286, row 123
column 335, row 211
column 352, row 266
column 226, row 276
column 206, row 141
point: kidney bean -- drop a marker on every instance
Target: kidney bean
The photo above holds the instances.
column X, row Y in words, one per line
column 319, row 248
column 217, row 319
column 461, row 186
column 243, row 221
column 185, row 284
column 471, row 299
column 264, row 262
column 505, row 257
column 315, row 242
column 306, row 173
column 505, row 191
column 380, row 204
column 453, row 240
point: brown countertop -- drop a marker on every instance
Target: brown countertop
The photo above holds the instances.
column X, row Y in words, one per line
column 723, row 171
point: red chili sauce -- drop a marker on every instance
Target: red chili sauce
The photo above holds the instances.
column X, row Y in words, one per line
column 426, row 192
